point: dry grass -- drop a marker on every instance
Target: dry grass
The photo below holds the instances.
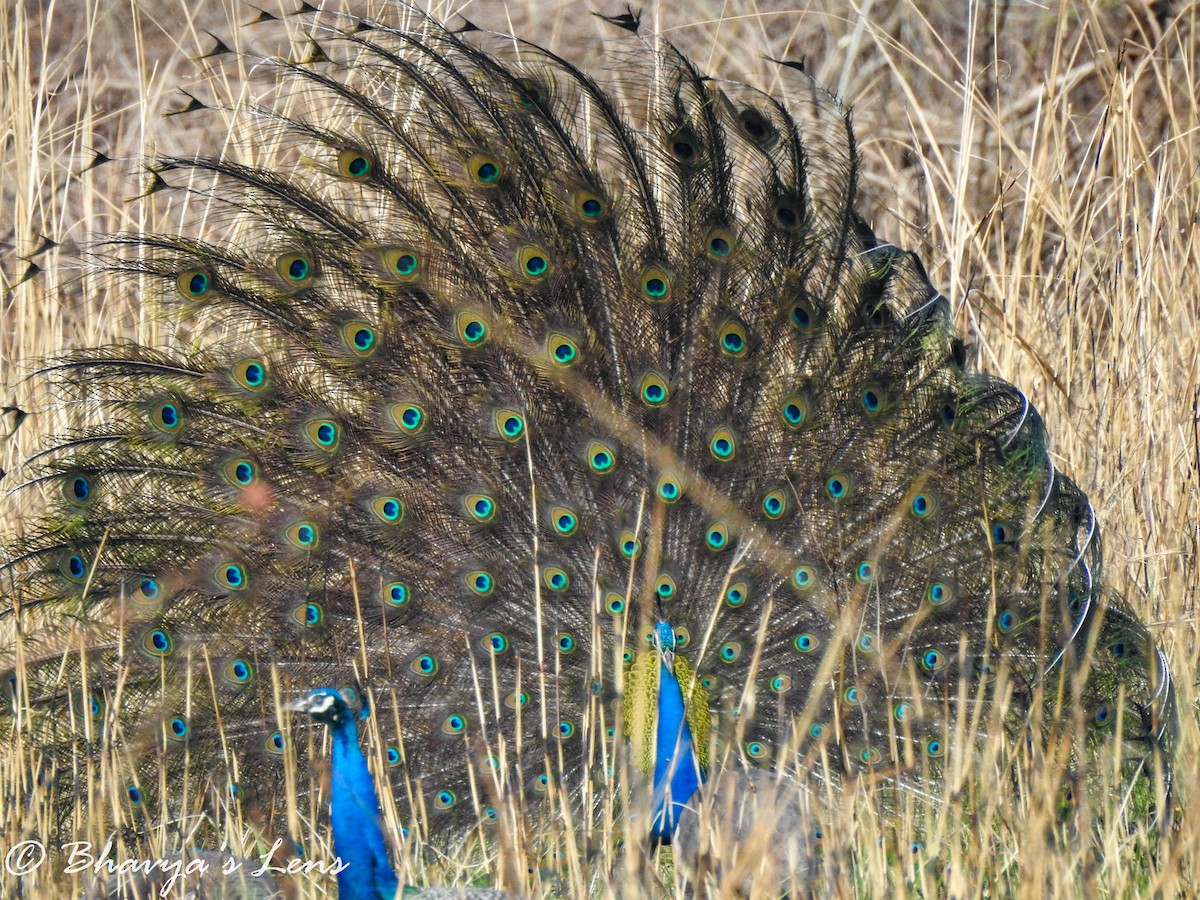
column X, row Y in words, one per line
column 1044, row 160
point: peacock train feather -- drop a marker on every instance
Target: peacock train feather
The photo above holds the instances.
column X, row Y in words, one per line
column 592, row 436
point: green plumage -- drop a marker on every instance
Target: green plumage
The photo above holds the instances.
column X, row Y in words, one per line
column 497, row 371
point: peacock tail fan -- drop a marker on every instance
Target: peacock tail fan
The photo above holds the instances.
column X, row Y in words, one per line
column 492, row 365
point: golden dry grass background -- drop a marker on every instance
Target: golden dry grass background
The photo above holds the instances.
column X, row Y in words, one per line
column 1043, row 159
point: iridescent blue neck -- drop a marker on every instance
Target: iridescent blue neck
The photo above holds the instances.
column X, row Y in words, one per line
column 354, row 818
column 676, row 767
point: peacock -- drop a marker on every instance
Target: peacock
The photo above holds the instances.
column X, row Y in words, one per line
column 578, row 424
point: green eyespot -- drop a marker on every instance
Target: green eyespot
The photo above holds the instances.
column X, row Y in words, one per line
column 732, row 339
column 360, row 338
column 589, row 206
column 471, row 328
column 401, row 263
column 655, row 284
column 355, row 165
column 485, row 171
column 410, row 418
column 296, row 269
column 533, row 262
column 194, row 284
column 250, row 375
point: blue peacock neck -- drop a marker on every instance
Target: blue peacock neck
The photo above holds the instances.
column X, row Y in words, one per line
column 355, row 820
column 677, row 774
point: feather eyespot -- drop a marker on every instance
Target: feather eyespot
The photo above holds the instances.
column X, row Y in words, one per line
column 669, row 488
column 395, row 594
column 495, row 643
column 933, row 661
column 472, row 329
column 510, row 424
column 775, row 504
column 757, row 127
column 425, row 666
column 563, row 351
column 665, row 588
column 804, row 578
column 528, row 94
column 600, row 457
column 410, row 418
column 388, row 510
column 655, row 284
column 683, row 145
column 719, row 243
column 480, row 582
column 355, row 165
column 565, row 521
column 794, row 411
column 74, row 566
column 360, row 339
column 296, row 269
column 614, row 603
column 533, row 263
column 147, row 593
column 736, row 594
column 789, row 213
column 938, row 594
column 654, row 390
column 589, row 206
column 806, row 643
column 923, row 506
column 801, row 315
column 166, row 416
column 303, row 535
column 722, row 444
column 485, row 171
column 837, row 487
column 716, row 538
column 309, row 615
column 238, row 671
column 870, row 756
column 756, row 749
column 629, row 545
column 480, row 507
column 873, row 400
column 230, row 577
column 732, row 339
column 249, row 375
column 402, row 264
column 555, row 579
column 194, row 284
column 78, row 490
column 157, row 643
column 177, row 728
column 324, row 434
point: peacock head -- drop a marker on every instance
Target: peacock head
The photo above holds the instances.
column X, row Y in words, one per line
column 664, row 644
column 333, row 706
